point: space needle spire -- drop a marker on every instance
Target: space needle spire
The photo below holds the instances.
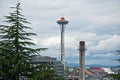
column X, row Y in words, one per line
column 62, row 22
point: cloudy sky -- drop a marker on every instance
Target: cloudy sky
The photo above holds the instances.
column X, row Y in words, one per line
column 97, row 22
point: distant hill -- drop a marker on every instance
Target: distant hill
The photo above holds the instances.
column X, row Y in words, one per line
column 72, row 64
column 92, row 65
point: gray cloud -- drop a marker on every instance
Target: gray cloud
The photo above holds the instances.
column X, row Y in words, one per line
column 95, row 21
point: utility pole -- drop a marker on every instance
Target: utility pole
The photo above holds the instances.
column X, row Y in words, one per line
column 82, row 60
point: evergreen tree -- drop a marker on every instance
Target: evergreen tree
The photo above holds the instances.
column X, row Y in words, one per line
column 116, row 76
column 15, row 47
column 119, row 54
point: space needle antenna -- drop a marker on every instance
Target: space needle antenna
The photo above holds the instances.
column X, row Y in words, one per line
column 62, row 14
column 17, row 1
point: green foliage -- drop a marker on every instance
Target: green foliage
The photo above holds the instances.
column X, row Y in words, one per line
column 119, row 54
column 116, row 76
column 43, row 72
column 15, row 47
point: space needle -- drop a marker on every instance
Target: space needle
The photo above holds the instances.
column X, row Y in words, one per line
column 62, row 23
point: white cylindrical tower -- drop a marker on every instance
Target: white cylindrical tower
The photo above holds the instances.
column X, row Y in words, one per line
column 82, row 60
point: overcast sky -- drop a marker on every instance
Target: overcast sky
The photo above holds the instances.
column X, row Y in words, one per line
column 97, row 22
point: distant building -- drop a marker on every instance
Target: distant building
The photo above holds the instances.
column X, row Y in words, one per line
column 43, row 59
column 59, row 68
column 57, row 65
